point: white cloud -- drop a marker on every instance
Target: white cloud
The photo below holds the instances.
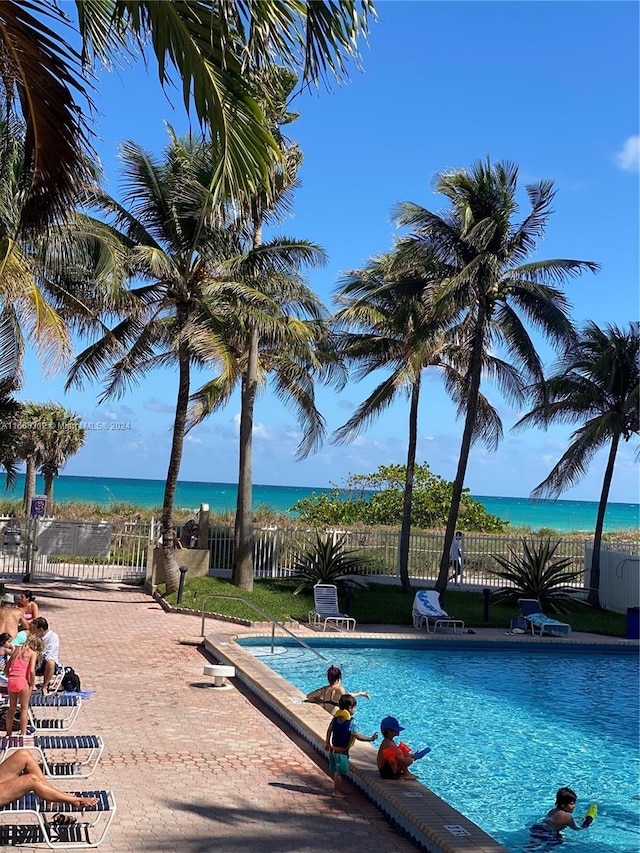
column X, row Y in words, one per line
column 192, row 438
column 154, row 405
column 628, row 157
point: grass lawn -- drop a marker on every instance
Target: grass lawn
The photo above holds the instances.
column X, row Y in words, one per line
column 379, row 604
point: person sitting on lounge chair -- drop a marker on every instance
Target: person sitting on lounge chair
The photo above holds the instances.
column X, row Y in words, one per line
column 21, row 774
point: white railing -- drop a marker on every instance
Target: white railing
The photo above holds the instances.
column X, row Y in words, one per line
column 275, row 550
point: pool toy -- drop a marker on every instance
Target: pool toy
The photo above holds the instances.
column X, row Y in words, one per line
column 421, row 753
column 592, row 811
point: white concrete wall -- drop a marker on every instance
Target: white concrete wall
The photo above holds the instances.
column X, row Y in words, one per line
column 619, row 579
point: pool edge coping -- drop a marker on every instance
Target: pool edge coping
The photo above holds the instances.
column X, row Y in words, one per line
column 412, row 807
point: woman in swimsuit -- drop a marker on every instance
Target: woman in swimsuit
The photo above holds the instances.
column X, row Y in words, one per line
column 328, row 696
column 27, row 603
column 20, row 774
column 21, row 677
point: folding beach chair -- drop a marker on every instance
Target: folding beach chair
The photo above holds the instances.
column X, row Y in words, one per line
column 59, row 755
column 30, row 820
column 325, row 599
column 531, row 612
column 428, row 612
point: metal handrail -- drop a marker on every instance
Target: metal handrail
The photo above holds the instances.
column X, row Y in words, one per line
column 273, row 621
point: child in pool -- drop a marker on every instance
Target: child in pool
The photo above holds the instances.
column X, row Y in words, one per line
column 341, row 736
column 561, row 817
column 393, row 759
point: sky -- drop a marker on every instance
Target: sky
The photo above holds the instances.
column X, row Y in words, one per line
column 551, row 86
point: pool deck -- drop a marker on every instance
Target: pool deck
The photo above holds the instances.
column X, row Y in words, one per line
column 430, row 822
column 199, row 770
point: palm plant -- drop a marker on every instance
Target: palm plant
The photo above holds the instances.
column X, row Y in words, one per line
column 284, row 337
column 10, row 410
column 61, row 437
column 537, row 573
column 491, row 281
column 181, row 312
column 327, row 560
column 597, row 384
column 215, row 48
column 399, row 332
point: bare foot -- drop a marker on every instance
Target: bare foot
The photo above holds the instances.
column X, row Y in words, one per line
column 338, row 795
column 85, row 802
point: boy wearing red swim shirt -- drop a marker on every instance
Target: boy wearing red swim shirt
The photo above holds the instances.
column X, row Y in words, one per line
column 394, row 759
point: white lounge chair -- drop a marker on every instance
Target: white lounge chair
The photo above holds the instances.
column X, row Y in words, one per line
column 326, row 609
column 428, row 613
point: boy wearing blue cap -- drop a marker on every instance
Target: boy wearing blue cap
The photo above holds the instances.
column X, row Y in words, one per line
column 394, row 759
column 341, row 736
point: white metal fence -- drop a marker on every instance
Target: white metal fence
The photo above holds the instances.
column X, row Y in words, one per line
column 275, row 549
column 126, row 560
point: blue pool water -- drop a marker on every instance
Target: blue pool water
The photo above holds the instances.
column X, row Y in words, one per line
column 506, row 727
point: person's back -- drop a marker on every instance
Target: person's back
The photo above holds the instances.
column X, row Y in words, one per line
column 10, row 615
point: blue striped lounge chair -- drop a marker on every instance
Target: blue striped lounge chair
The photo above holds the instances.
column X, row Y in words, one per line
column 31, row 820
column 59, row 755
column 531, row 612
column 51, row 711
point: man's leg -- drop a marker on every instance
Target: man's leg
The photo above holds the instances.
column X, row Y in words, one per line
column 49, row 669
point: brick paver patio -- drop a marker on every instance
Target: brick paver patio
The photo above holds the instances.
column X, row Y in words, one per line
column 193, row 769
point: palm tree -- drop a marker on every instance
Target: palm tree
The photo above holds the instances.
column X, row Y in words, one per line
column 182, row 311
column 595, row 384
column 214, row 47
column 398, row 331
column 286, row 337
column 491, row 282
column 10, row 416
column 61, row 437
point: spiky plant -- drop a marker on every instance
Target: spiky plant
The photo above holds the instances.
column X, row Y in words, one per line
column 537, row 574
column 327, row 560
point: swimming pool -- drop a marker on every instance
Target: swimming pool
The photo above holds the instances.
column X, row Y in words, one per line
column 507, row 726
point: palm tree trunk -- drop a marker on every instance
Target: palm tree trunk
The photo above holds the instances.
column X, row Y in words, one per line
column 29, row 483
column 243, row 533
column 475, row 375
column 594, row 586
column 48, row 489
column 405, row 529
column 169, row 561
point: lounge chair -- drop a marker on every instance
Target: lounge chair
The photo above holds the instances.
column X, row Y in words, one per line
column 51, row 711
column 326, row 609
column 531, row 612
column 59, row 755
column 427, row 612
column 31, row 820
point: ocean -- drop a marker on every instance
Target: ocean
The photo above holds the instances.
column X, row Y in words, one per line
column 559, row 515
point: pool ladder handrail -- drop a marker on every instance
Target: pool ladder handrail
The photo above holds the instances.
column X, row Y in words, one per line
column 273, row 621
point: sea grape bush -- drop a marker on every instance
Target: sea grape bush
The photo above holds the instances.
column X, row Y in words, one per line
column 376, row 499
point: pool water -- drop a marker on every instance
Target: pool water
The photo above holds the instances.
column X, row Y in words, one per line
column 507, row 727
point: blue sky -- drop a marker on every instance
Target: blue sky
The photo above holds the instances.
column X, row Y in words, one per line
column 552, row 86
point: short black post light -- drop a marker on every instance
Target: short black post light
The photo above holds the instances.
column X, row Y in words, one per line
column 183, row 573
column 486, row 592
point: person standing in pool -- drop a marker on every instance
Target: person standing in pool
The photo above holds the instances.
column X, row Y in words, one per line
column 328, row 697
column 561, row 817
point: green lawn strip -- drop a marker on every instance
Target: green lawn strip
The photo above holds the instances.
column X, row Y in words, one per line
column 378, row 604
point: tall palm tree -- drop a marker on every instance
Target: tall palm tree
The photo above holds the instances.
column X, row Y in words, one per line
column 397, row 331
column 492, row 282
column 180, row 314
column 215, row 48
column 10, row 415
column 595, row 384
column 286, row 337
